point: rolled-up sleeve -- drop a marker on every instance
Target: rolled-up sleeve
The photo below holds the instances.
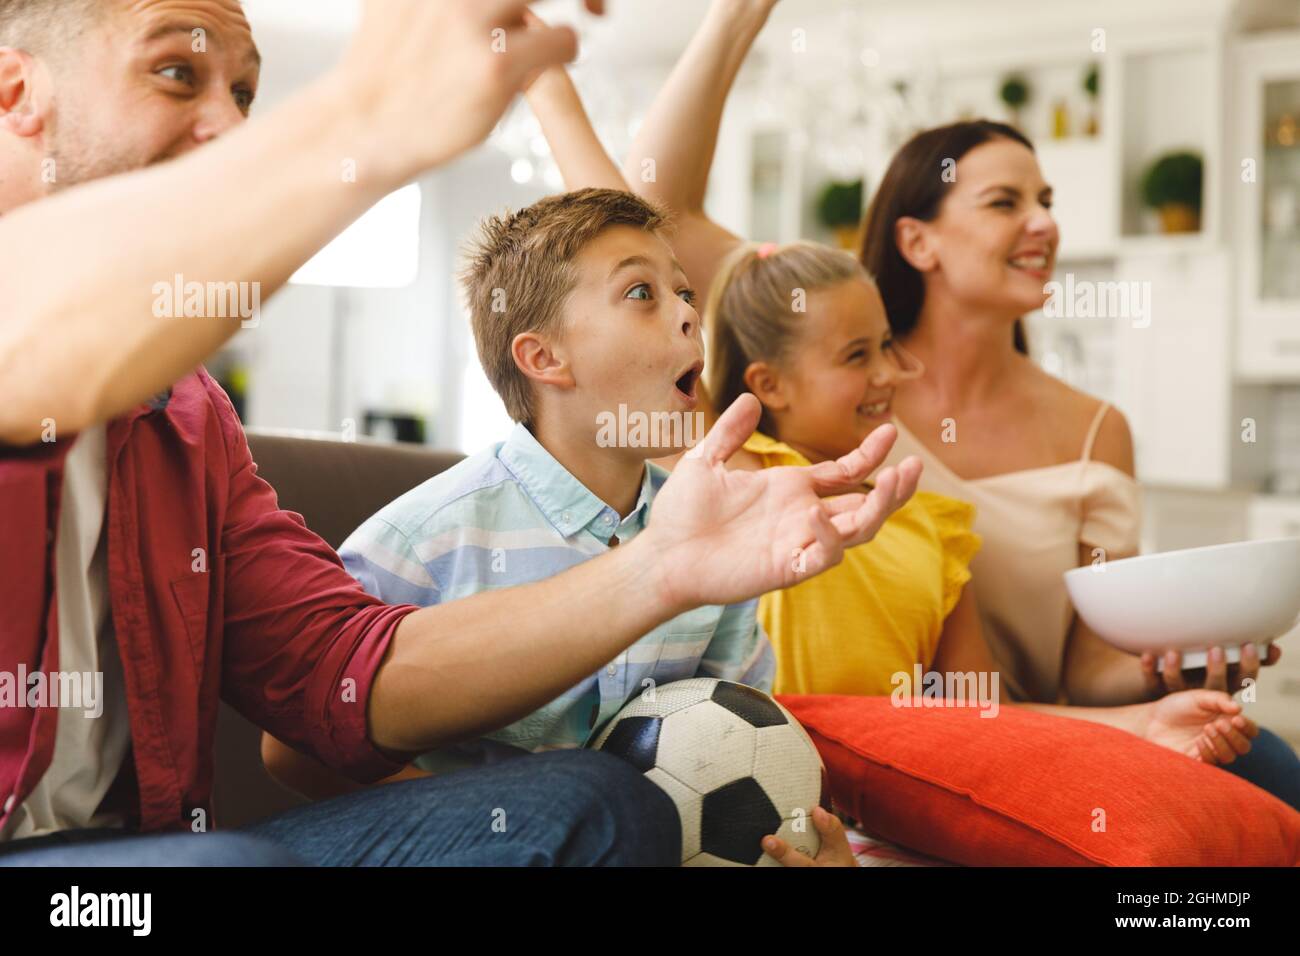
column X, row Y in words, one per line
column 302, row 640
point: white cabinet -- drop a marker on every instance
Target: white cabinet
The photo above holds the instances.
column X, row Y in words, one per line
column 1173, row 375
column 1274, row 516
column 1172, row 367
column 1083, row 170
column 1265, row 189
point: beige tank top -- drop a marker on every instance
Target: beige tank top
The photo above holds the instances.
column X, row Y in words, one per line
column 1032, row 523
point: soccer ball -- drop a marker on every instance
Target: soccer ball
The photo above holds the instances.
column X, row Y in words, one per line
column 736, row 763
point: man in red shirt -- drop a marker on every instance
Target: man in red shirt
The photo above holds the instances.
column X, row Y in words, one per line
column 142, row 553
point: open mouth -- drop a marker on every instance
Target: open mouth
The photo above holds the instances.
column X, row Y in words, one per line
column 687, row 381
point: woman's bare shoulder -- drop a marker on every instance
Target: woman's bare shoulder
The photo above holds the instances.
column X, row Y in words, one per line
column 1077, row 410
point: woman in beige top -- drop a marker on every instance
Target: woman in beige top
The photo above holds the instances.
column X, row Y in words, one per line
column 961, row 240
column 1049, row 468
column 959, row 258
column 1035, row 523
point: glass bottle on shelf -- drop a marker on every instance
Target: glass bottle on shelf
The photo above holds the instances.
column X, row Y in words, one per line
column 1060, row 120
column 1280, row 178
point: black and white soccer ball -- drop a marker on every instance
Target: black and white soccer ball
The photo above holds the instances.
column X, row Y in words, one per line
column 736, row 763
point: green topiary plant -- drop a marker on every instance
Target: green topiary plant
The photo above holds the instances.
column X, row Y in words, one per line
column 1092, row 86
column 1172, row 185
column 840, row 205
column 839, row 208
column 1015, row 93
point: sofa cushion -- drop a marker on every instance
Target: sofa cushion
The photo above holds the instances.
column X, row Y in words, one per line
column 336, row 485
column 1030, row 789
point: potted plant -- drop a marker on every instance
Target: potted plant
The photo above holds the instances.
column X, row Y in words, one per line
column 1172, row 187
column 839, row 209
column 1092, row 86
column 1015, row 94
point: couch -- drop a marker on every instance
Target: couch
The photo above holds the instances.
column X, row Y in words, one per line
column 335, row 485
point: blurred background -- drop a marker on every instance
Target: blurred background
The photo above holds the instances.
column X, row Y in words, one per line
column 1170, row 130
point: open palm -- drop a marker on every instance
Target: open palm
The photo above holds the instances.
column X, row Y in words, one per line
column 728, row 535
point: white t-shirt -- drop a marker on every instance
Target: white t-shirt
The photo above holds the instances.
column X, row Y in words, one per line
column 88, row 750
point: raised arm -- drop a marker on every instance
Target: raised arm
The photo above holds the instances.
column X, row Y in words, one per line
column 673, row 151
column 79, row 339
column 577, row 149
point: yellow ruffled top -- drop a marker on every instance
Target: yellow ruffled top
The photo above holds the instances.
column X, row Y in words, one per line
column 882, row 609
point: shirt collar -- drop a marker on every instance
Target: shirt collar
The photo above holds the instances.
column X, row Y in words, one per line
column 565, row 501
column 761, row 444
column 160, row 401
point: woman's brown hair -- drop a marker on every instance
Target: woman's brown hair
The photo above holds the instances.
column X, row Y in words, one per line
column 914, row 187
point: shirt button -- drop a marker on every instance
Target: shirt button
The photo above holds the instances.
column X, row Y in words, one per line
column 608, row 520
column 611, row 670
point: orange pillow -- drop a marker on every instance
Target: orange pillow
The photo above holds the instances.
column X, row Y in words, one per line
column 1028, row 789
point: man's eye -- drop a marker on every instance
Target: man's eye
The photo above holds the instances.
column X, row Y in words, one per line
column 887, row 344
column 688, row 296
column 857, row 355
column 640, row 291
column 1004, row 204
column 181, row 74
column 244, row 100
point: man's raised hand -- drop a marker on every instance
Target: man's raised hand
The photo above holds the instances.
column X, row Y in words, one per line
column 428, row 81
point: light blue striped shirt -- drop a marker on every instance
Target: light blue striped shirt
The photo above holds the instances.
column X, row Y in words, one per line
column 511, row 515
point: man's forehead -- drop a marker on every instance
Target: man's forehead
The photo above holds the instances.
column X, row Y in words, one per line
column 222, row 21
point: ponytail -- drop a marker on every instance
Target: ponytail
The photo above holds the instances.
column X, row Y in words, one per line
column 755, row 306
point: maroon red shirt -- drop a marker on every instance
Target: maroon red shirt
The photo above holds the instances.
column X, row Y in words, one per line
column 273, row 625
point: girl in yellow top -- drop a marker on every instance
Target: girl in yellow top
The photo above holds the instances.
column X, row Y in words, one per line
column 884, row 608
column 803, row 327
column 820, row 359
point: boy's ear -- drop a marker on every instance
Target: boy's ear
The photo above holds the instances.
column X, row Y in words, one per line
column 538, row 359
column 18, row 112
column 765, row 382
column 915, row 243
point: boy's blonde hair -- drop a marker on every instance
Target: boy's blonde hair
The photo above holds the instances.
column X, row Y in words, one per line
column 519, row 271
column 752, row 312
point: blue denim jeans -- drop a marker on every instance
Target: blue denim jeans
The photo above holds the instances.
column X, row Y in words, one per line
column 563, row 808
column 1271, row 765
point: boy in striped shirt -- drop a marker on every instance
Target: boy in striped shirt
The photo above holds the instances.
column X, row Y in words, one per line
column 585, row 326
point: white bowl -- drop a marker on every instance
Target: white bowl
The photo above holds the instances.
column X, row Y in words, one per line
column 1189, row 601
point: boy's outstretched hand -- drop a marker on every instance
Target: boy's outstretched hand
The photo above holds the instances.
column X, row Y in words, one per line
column 835, row 849
column 722, row 536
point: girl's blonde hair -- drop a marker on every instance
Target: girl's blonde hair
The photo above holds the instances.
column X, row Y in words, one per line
column 755, row 309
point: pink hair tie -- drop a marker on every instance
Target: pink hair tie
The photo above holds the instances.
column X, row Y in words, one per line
column 766, row 249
